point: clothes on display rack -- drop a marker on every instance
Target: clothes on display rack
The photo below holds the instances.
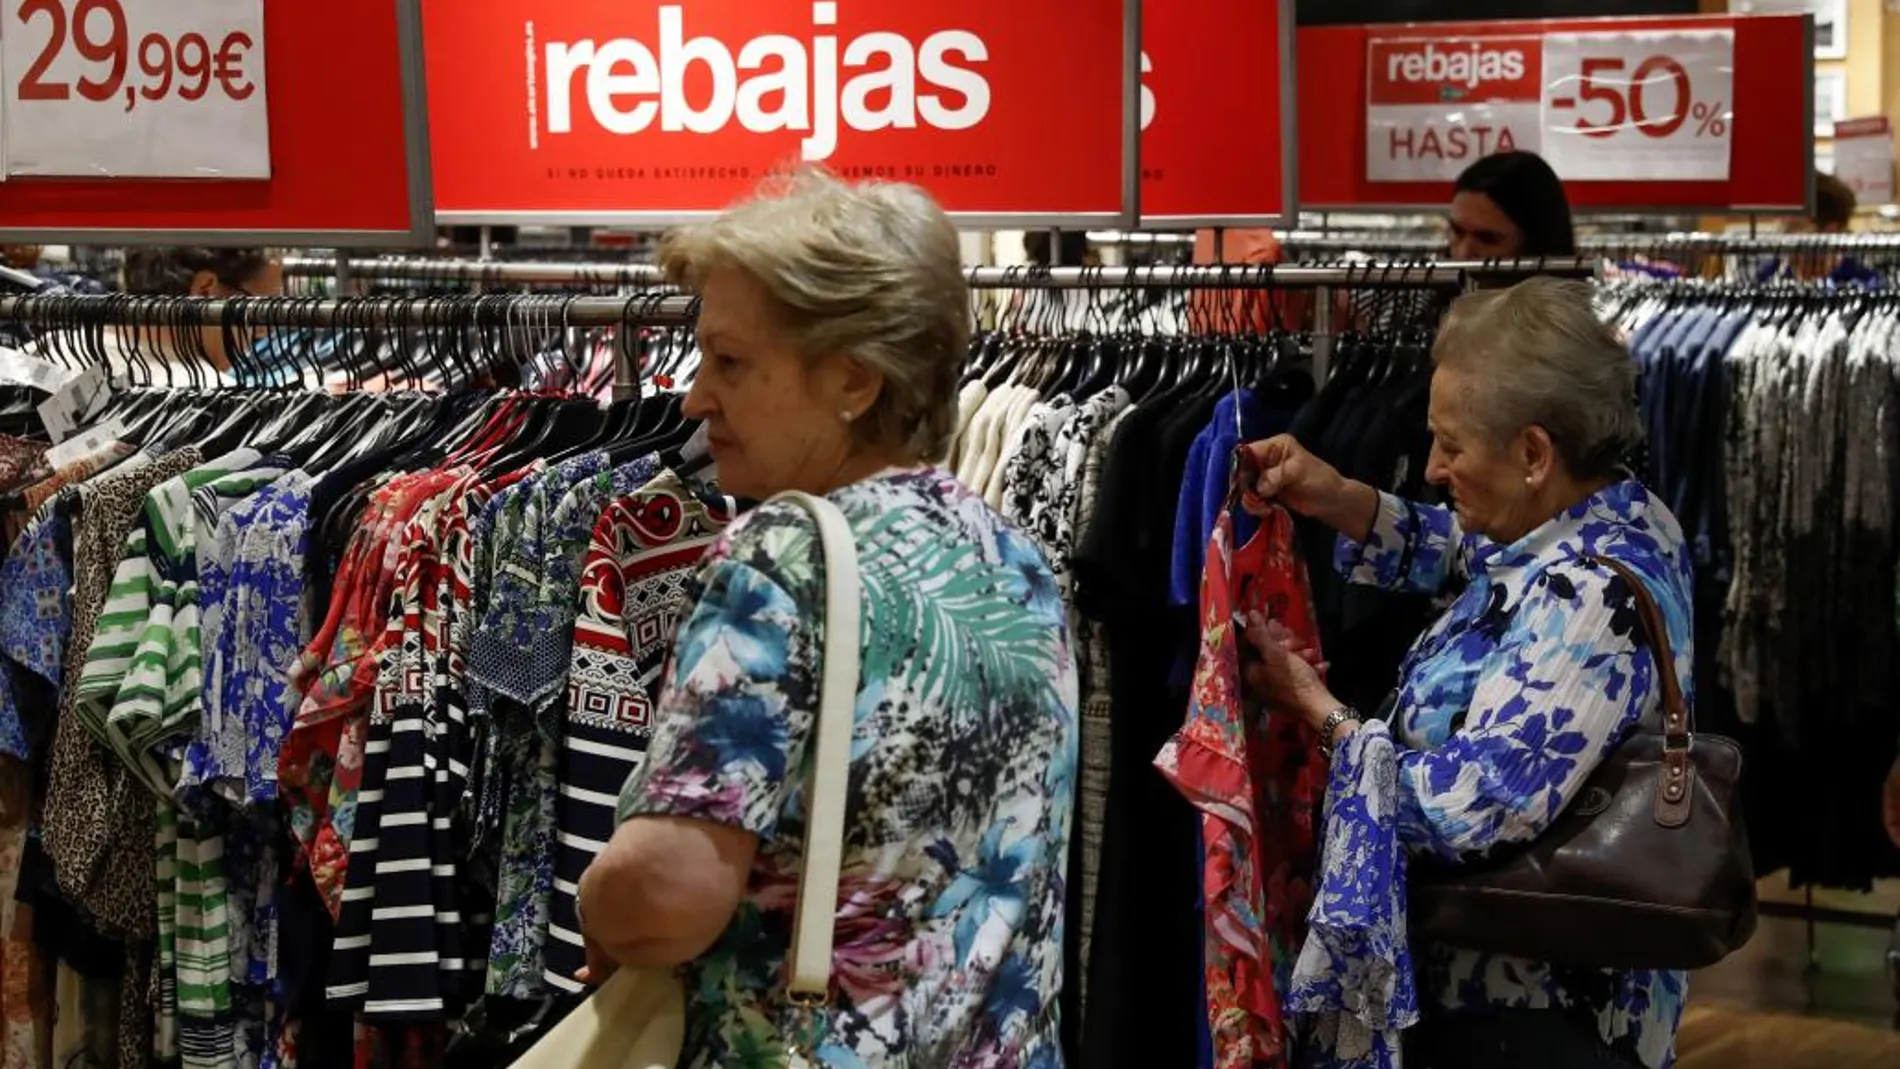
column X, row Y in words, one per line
column 334, row 697
column 1117, row 454
column 192, row 639
column 1772, row 419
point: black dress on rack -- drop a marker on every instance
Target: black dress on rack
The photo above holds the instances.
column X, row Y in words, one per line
column 1144, row 972
column 1376, row 433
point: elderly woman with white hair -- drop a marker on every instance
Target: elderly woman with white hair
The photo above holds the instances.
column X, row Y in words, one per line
column 1537, row 671
column 834, row 324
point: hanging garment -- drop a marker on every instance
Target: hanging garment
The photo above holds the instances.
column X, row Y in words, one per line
column 635, row 578
column 1771, row 438
column 1257, row 779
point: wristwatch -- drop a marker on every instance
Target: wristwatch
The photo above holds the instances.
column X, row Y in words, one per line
column 1335, row 720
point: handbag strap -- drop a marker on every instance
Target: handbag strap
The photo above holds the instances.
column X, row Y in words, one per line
column 1677, row 772
column 810, row 981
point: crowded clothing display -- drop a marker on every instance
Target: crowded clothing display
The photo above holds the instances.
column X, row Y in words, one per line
column 323, row 688
column 1770, row 416
column 309, row 730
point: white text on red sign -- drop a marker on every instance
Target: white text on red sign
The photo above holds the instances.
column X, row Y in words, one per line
column 628, row 86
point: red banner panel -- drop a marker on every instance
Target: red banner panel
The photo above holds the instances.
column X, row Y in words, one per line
column 1665, row 114
column 603, row 111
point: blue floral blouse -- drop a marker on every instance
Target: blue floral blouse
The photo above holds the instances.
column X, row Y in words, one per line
column 1504, row 708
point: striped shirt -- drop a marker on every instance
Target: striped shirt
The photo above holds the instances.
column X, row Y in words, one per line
column 400, row 948
column 141, row 691
column 645, row 552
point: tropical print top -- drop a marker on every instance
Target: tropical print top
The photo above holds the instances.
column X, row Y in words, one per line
column 949, row 930
column 1504, row 708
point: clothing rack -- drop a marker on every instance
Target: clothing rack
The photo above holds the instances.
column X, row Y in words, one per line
column 495, row 312
column 1447, row 275
column 1453, row 276
column 396, row 313
column 481, row 272
column 1660, row 243
column 1805, row 909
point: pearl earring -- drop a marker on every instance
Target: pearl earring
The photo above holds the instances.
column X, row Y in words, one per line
column 847, row 416
column 1529, row 479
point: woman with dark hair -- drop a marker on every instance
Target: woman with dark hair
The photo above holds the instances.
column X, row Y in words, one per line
column 1510, row 205
column 186, row 271
column 190, row 271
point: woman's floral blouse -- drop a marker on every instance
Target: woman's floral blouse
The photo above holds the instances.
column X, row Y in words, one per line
column 1504, row 708
column 949, row 931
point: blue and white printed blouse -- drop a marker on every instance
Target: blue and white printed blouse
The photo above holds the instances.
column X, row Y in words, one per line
column 1504, row 708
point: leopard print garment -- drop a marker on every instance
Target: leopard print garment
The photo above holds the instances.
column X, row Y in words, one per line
column 98, row 819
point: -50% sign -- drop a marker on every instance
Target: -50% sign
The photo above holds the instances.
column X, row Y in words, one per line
column 135, row 88
column 1648, row 105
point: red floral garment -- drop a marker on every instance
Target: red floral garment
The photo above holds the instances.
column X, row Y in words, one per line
column 21, row 461
column 1259, row 781
column 321, row 766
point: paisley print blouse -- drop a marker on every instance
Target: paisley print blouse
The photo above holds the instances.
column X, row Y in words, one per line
column 1504, row 708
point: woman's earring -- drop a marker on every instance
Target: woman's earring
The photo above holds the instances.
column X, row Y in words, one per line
column 847, row 416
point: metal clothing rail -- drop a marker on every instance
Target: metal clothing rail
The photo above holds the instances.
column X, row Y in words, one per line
column 1741, row 245
column 1446, row 275
column 68, row 312
column 490, row 272
column 389, row 313
column 1660, row 243
column 1450, row 275
column 1443, row 276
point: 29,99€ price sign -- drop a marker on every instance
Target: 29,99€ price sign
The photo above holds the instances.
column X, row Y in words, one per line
column 135, row 88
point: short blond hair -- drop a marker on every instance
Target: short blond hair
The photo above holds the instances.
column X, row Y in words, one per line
column 873, row 270
column 1540, row 356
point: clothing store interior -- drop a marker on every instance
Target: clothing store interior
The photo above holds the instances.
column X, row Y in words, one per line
column 585, row 582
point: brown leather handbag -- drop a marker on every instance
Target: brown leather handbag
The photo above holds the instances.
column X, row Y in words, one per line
column 1648, row 867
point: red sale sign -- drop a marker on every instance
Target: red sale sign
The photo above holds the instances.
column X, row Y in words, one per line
column 1217, row 146
column 610, row 111
column 1675, row 113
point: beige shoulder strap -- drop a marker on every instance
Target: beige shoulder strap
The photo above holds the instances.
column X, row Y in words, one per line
column 812, row 930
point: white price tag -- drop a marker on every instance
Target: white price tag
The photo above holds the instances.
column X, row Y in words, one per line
column 85, row 444
column 1863, row 158
column 19, row 369
column 1639, row 106
column 135, row 88
column 76, row 403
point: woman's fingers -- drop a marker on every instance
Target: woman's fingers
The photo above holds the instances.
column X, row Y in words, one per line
column 1272, row 457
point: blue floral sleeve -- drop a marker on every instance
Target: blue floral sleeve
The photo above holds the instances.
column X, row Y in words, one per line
column 1354, row 986
column 729, row 733
column 1564, row 685
column 1413, row 548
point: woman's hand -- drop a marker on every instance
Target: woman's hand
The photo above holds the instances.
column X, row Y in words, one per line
column 1891, row 810
column 1286, row 672
column 600, row 965
column 1308, row 485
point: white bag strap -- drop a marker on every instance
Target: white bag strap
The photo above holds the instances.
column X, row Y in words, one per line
column 812, row 930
